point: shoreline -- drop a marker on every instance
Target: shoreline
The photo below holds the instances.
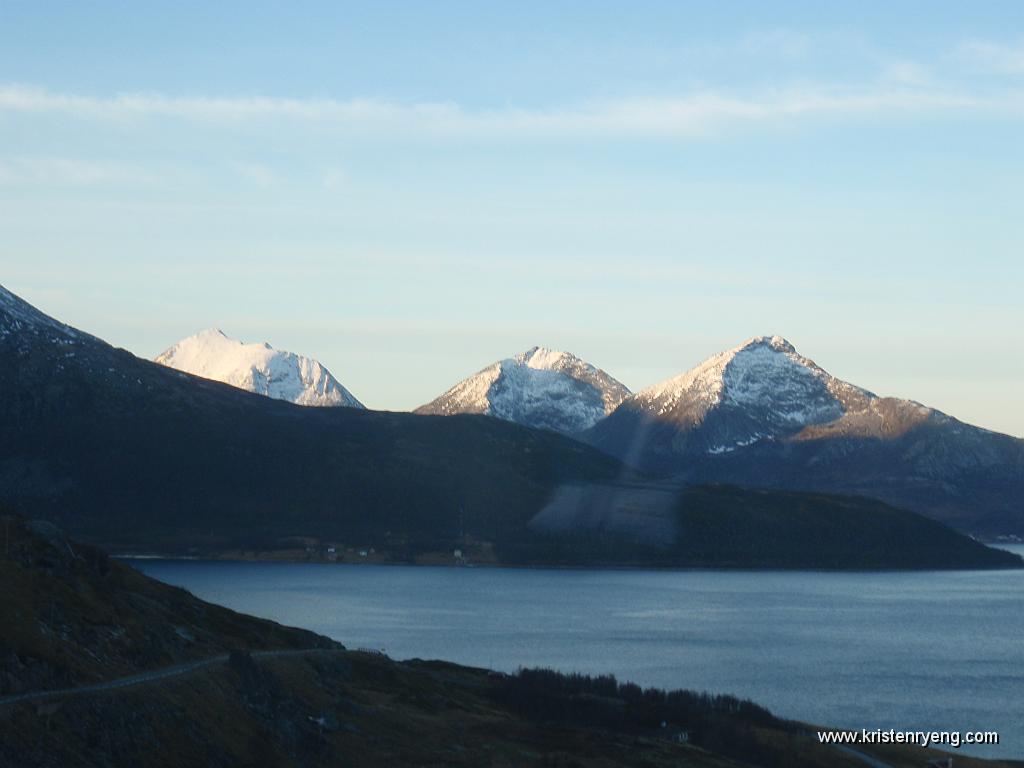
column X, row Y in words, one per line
column 213, row 558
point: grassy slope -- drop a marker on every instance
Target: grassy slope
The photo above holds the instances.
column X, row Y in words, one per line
column 374, row 712
column 363, row 710
column 70, row 616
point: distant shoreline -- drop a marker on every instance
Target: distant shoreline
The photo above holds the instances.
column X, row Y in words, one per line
column 213, row 558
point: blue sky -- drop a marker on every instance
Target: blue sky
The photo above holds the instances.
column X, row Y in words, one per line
column 409, row 191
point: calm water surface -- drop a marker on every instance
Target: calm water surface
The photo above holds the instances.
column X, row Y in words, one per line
column 928, row 651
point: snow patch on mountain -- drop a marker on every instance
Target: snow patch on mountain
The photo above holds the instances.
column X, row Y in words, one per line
column 541, row 387
column 258, row 368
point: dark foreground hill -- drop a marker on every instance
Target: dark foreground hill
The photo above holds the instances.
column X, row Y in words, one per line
column 135, row 456
column 72, row 617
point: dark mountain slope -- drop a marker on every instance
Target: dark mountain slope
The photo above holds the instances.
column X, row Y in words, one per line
column 732, row 527
column 969, row 479
column 132, row 454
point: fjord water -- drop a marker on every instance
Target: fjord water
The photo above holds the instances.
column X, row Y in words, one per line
column 905, row 650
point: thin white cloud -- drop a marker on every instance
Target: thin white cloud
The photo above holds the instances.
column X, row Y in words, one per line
column 257, row 174
column 691, row 115
column 779, row 43
column 990, row 56
column 69, row 172
column 906, row 73
column 335, row 178
column 17, row 98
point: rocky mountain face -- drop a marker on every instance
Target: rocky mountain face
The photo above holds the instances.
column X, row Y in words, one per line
column 763, row 415
column 257, row 368
column 541, row 388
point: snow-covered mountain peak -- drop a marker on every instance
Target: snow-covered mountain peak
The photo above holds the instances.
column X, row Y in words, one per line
column 210, row 333
column 777, row 343
column 540, row 387
column 762, row 388
column 544, row 359
column 257, row 368
column 744, row 372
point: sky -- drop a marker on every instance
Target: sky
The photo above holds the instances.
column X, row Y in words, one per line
column 410, row 191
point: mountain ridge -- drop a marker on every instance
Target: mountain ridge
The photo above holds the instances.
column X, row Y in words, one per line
column 762, row 415
column 135, row 456
column 541, row 387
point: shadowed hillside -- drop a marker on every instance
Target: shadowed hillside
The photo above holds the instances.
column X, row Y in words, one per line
column 732, row 527
column 72, row 616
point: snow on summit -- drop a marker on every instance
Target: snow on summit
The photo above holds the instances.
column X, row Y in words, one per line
column 762, row 390
column 257, row 368
column 541, row 387
column 764, row 372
